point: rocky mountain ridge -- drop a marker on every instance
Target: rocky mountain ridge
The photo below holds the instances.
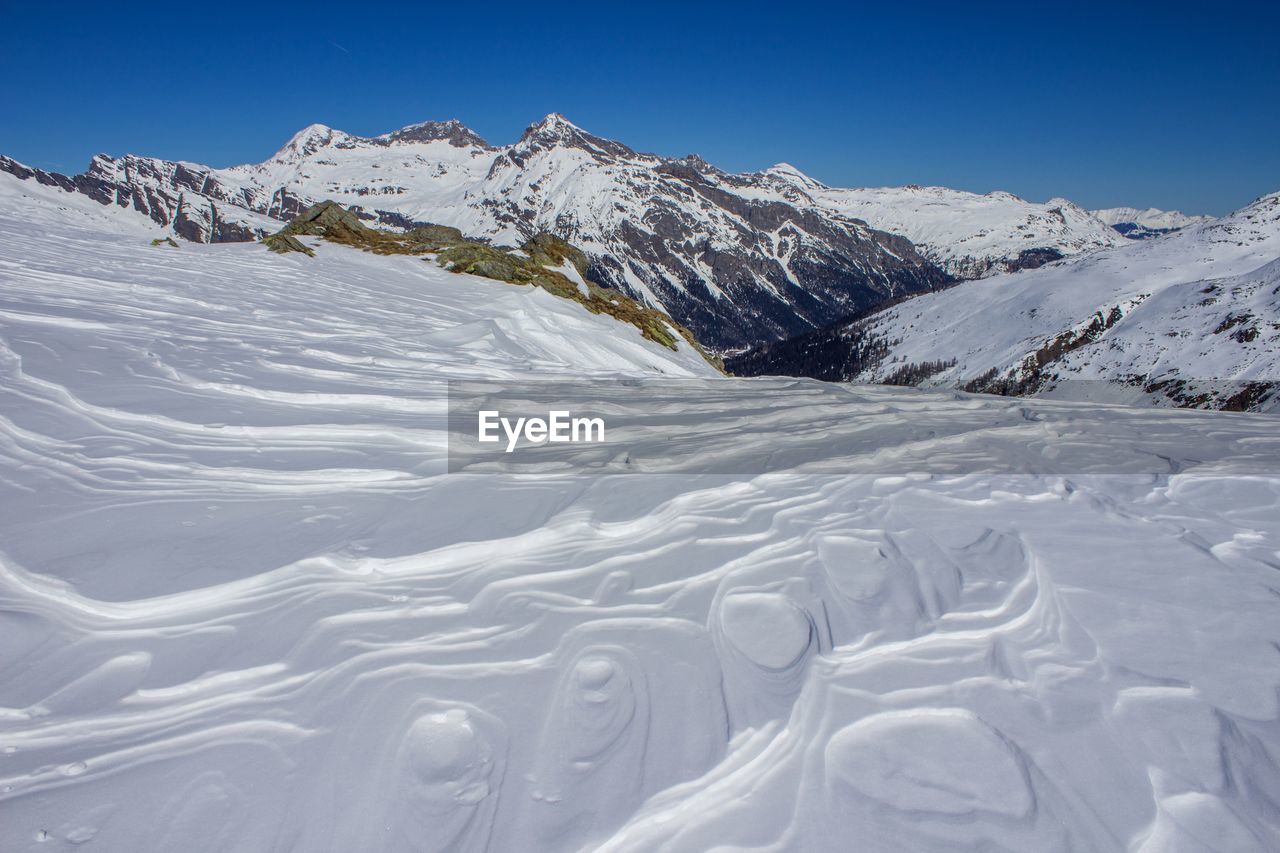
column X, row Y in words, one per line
column 737, row 258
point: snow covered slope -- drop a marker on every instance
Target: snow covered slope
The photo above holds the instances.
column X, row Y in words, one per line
column 1143, row 224
column 244, row 608
column 1202, row 303
column 489, row 328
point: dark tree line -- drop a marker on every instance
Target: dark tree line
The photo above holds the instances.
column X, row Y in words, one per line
column 834, row 355
column 917, row 372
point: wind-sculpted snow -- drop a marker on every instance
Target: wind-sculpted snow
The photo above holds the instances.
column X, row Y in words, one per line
column 245, row 607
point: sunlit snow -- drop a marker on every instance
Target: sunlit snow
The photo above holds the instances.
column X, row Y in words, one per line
column 245, row 608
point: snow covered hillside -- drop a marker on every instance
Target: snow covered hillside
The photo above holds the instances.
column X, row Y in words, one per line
column 1143, row 224
column 1200, row 304
column 737, row 258
column 464, row 325
column 245, row 608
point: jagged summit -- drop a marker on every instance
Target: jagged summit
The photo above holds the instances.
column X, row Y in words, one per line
column 554, row 121
column 699, row 163
column 452, row 131
column 556, row 131
column 553, row 126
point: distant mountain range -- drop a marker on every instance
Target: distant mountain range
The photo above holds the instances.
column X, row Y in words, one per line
column 1143, row 224
column 1191, row 318
column 738, row 258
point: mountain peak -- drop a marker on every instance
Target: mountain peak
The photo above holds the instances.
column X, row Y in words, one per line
column 315, row 129
column 556, row 131
column 308, row 141
column 452, row 131
column 557, row 121
column 553, row 127
column 787, row 172
column 698, row 163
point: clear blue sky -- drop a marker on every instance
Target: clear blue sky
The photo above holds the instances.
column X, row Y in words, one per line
column 1165, row 104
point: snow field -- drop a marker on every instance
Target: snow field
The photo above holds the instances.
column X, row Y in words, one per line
column 245, row 608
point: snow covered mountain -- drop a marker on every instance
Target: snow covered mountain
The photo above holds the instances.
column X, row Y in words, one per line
column 1143, row 224
column 737, row 258
column 968, row 235
column 1160, row 319
column 244, row 607
column 730, row 259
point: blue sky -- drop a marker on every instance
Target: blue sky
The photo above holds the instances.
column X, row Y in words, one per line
column 1171, row 105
